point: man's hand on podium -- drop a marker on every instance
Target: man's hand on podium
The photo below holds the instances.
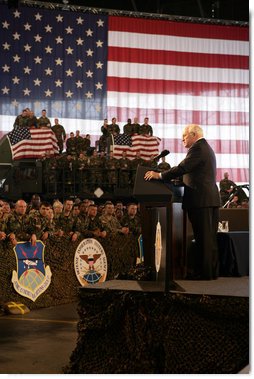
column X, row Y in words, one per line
column 152, row 175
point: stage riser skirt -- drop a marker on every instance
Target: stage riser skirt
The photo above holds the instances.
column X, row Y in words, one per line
column 146, row 332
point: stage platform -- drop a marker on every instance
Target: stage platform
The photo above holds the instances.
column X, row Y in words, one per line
column 223, row 286
column 210, row 315
column 135, row 327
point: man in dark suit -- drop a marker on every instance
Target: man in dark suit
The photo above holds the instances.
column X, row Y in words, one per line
column 201, row 198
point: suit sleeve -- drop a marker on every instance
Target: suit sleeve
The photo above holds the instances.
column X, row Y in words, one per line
column 192, row 161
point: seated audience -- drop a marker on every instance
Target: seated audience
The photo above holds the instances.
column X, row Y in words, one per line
column 93, row 226
column 19, row 227
column 34, row 205
column 234, row 203
column 131, row 220
column 57, row 209
column 67, row 223
column 40, row 221
column 110, row 222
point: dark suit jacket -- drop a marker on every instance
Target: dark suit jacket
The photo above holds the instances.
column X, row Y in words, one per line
column 199, row 176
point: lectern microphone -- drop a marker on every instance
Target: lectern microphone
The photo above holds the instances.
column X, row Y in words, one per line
column 162, row 154
column 247, row 186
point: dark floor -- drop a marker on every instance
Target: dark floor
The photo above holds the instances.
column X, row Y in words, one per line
column 41, row 342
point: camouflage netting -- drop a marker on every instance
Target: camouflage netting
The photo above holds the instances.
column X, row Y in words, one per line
column 135, row 332
column 59, row 255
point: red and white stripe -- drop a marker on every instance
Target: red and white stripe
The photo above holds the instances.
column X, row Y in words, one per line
column 147, row 146
column 175, row 74
column 42, row 140
column 180, row 73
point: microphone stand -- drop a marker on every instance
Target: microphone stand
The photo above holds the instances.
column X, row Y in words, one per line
column 229, row 199
column 234, row 192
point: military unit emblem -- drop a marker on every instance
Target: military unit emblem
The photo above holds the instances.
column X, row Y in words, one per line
column 32, row 278
column 158, row 247
column 90, row 262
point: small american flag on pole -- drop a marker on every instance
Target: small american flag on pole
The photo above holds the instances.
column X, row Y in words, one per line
column 19, row 134
column 148, row 146
column 32, row 143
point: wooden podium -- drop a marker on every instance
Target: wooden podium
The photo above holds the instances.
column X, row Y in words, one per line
column 156, row 204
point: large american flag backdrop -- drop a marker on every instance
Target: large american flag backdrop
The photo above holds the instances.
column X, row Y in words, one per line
column 82, row 67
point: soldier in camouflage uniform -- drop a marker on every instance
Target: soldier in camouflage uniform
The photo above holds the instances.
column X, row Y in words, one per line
column 114, row 127
column 135, row 126
column 2, row 233
column 5, row 211
column 41, row 223
column 111, row 166
column 34, row 204
column 50, row 173
column 132, row 221
column 86, row 143
column 79, row 142
column 67, row 223
column 82, row 165
column 119, row 214
column 96, row 171
column 151, row 163
column 18, row 226
column 43, row 121
column 52, row 224
column 226, row 188
column 57, row 209
column 69, row 168
column 104, row 158
column 60, row 134
column 75, row 210
column 127, row 128
column 71, row 144
column 32, row 121
column 92, row 227
column 124, row 172
column 146, row 129
column 134, row 164
column 21, row 120
column 84, row 206
column 60, row 164
column 3, row 220
column 163, row 166
column 104, row 137
column 110, row 223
